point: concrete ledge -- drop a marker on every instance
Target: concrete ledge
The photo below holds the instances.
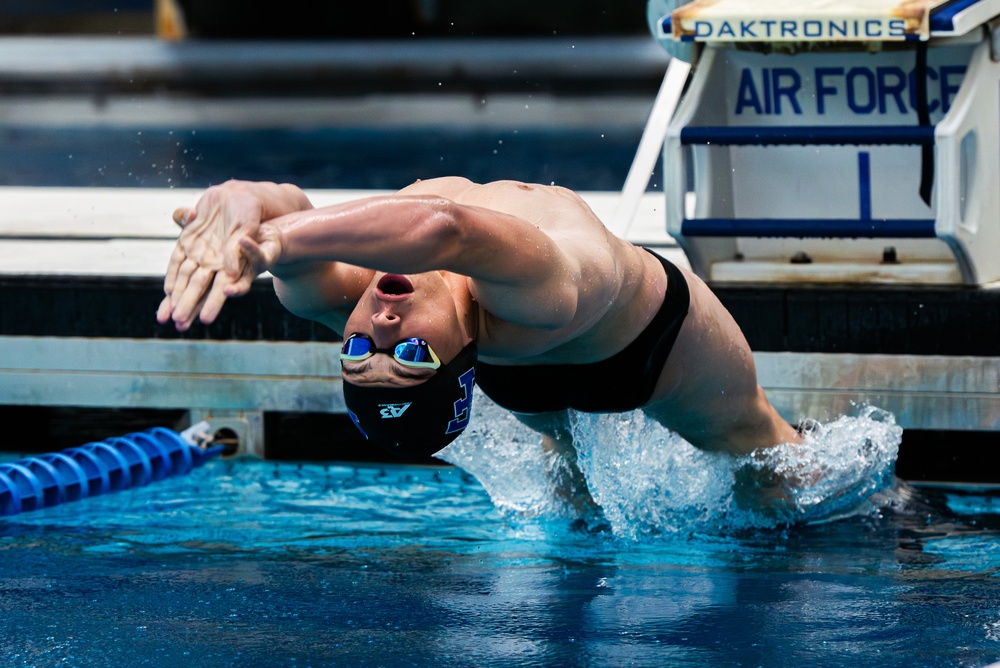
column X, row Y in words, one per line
column 129, row 231
column 934, row 393
column 131, row 373
column 922, row 392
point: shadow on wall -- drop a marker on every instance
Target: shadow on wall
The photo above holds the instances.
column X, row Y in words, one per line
column 420, row 18
column 307, row 19
column 111, row 17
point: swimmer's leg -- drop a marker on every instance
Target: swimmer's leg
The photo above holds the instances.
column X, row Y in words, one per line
column 757, row 431
column 567, row 479
column 708, row 391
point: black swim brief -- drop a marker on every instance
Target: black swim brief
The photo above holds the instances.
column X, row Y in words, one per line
column 620, row 383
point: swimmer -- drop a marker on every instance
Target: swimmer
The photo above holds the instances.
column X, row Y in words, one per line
column 516, row 287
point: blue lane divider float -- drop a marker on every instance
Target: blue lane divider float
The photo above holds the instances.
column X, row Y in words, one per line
column 107, row 466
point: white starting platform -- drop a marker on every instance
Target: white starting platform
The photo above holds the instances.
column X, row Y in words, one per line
column 839, row 141
column 832, row 170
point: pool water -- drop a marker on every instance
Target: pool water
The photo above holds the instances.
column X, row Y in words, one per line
column 253, row 563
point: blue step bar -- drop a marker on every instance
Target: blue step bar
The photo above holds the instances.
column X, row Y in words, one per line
column 808, row 228
column 825, row 135
column 862, row 227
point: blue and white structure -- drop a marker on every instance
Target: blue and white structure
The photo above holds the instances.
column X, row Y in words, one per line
column 836, row 141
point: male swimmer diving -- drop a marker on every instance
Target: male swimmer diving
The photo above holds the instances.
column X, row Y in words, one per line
column 516, row 285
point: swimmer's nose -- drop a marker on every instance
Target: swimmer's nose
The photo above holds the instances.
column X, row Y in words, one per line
column 385, row 318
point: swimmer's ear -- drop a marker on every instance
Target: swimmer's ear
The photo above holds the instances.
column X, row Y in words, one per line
column 183, row 216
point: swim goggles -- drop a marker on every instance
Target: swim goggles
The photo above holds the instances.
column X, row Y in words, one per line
column 414, row 353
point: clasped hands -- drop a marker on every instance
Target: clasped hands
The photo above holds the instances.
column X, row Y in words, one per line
column 225, row 243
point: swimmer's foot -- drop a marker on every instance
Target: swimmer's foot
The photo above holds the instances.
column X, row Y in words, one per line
column 792, row 483
column 771, row 480
column 591, row 525
column 569, row 484
column 766, row 492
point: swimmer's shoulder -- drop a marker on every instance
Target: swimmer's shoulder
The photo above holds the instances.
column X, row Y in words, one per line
column 532, row 198
column 529, row 188
column 451, row 187
column 546, row 206
column 460, row 189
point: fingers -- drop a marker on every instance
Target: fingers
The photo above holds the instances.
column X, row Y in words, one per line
column 165, row 310
column 271, row 246
column 232, row 260
column 177, row 258
column 241, row 248
column 209, row 263
column 215, row 299
column 255, row 259
column 186, row 293
column 190, row 300
column 264, row 252
column 196, row 302
column 240, row 286
column 199, row 293
column 185, row 324
column 180, row 285
column 183, row 215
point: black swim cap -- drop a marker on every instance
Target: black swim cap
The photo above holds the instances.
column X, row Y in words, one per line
column 417, row 420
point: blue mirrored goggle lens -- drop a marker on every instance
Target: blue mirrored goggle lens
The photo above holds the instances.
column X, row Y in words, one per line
column 412, row 350
column 357, row 346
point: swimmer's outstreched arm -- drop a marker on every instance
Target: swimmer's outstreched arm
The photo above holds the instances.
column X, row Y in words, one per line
column 517, row 272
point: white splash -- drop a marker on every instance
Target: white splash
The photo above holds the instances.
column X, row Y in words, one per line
column 649, row 481
column 507, row 459
column 992, row 633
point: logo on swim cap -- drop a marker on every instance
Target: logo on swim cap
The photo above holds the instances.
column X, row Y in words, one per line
column 389, row 411
column 420, row 419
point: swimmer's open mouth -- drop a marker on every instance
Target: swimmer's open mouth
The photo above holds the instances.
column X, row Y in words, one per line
column 394, row 285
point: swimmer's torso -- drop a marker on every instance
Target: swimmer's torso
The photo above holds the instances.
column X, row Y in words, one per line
column 554, row 209
column 620, row 287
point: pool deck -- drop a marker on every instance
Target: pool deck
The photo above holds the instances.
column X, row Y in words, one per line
column 80, row 273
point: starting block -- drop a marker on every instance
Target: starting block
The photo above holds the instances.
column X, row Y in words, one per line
column 840, row 141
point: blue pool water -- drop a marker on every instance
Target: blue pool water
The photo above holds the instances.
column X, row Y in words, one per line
column 252, row 563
